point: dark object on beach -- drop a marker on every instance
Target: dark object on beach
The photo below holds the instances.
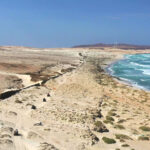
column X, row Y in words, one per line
column 33, row 107
column 97, row 114
column 80, row 54
column 44, row 99
column 16, row 133
column 38, row 124
column 48, row 95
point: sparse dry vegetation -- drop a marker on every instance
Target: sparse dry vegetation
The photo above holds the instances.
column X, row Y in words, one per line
column 108, row 140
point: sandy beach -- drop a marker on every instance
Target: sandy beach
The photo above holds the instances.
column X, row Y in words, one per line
column 77, row 104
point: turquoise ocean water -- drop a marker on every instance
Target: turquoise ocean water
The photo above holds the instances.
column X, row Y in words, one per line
column 134, row 69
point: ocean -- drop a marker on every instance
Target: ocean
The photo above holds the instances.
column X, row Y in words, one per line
column 133, row 69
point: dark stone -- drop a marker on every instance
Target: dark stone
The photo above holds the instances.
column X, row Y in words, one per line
column 44, row 99
column 48, row 95
column 97, row 114
column 38, row 124
column 33, row 107
column 16, row 133
column 95, row 139
column 80, row 54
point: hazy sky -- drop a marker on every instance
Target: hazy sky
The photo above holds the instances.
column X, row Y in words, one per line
column 65, row 23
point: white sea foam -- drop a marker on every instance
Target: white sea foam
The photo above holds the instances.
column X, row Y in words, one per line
column 110, row 70
column 134, row 84
column 146, row 71
column 142, row 80
column 136, row 64
column 130, row 68
column 146, row 55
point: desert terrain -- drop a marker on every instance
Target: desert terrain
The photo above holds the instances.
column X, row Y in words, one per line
column 63, row 99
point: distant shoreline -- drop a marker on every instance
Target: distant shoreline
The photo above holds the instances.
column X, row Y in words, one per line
column 122, row 46
column 123, row 80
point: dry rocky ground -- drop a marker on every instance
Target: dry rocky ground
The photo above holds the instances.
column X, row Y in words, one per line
column 79, row 106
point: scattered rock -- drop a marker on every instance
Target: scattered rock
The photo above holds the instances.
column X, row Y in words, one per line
column 16, row 133
column 80, row 54
column 96, row 114
column 33, row 107
column 38, row 124
column 89, row 135
column 100, row 127
column 95, row 139
column 48, row 95
column 44, row 99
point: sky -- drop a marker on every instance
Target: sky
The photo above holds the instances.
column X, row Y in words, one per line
column 65, row 23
